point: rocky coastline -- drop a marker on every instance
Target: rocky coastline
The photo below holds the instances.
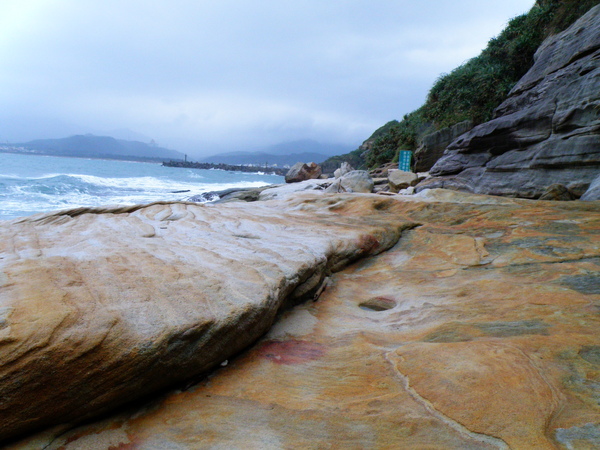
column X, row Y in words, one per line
column 365, row 310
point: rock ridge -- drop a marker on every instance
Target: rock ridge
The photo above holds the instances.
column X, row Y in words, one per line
column 99, row 306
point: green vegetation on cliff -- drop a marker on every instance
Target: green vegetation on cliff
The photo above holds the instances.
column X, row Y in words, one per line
column 473, row 90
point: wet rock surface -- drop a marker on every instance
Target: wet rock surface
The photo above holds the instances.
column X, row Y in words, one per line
column 478, row 329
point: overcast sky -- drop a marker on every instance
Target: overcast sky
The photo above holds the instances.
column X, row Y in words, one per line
column 201, row 76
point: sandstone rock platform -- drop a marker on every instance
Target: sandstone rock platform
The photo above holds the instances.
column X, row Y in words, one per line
column 478, row 329
column 101, row 306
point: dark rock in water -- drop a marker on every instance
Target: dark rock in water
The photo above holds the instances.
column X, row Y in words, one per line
column 548, row 130
column 302, row 172
column 557, row 192
column 230, row 195
column 433, row 145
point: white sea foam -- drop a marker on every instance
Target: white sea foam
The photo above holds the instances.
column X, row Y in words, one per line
column 34, row 184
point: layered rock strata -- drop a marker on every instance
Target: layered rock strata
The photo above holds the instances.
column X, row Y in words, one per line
column 101, row 306
column 478, row 329
column 432, row 145
column 548, row 130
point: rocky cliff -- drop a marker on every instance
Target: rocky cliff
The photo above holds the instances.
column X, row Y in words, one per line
column 477, row 329
column 548, row 130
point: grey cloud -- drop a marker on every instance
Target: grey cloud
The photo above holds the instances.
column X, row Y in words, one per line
column 231, row 72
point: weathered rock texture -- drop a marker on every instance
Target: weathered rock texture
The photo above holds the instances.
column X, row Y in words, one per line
column 433, row 145
column 301, row 172
column 99, row 307
column 355, row 181
column 548, row 130
column 479, row 329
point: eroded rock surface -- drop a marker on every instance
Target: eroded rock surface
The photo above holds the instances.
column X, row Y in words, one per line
column 548, row 130
column 101, row 306
column 478, row 329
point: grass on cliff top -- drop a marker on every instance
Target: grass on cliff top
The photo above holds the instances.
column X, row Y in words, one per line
column 475, row 89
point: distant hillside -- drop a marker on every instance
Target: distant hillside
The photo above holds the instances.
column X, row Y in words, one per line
column 286, row 153
column 260, row 158
column 304, row 146
column 90, row 146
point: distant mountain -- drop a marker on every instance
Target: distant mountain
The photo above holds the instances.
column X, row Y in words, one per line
column 91, row 146
column 285, row 153
column 305, row 146
column 259, row 158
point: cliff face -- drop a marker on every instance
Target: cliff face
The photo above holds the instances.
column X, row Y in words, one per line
column 433, row 145
column 548, row 130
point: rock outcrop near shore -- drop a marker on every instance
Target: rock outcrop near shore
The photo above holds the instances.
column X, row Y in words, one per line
column 478, row 329
column 548, row 130
column 99, row 307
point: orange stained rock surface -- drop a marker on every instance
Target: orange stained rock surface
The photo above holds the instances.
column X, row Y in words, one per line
column 479, row 329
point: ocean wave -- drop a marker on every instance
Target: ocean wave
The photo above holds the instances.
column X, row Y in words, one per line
column 33, row 184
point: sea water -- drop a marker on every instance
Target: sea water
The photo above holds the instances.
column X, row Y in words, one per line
column 31, row 184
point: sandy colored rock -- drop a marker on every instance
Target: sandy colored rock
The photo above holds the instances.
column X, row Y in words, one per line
column 101, row 306
column 400, row 179
column 478, row 330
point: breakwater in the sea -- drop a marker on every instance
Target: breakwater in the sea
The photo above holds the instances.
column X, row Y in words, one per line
column 229, row 167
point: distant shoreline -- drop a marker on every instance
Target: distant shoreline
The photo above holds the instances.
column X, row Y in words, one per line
column 208, row 166
column 99, row 157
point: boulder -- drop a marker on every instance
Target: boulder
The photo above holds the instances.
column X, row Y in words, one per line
column 355, row 181
column 343, row 170
column 101, row 306
column 477, row 330
column 399, row 179
column 433, row 145
column 593, row 193
column 557, row 192
column 301, row 172
column 547, row 131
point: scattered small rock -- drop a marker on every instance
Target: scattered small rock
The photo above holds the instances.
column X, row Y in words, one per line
column 399, row 179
